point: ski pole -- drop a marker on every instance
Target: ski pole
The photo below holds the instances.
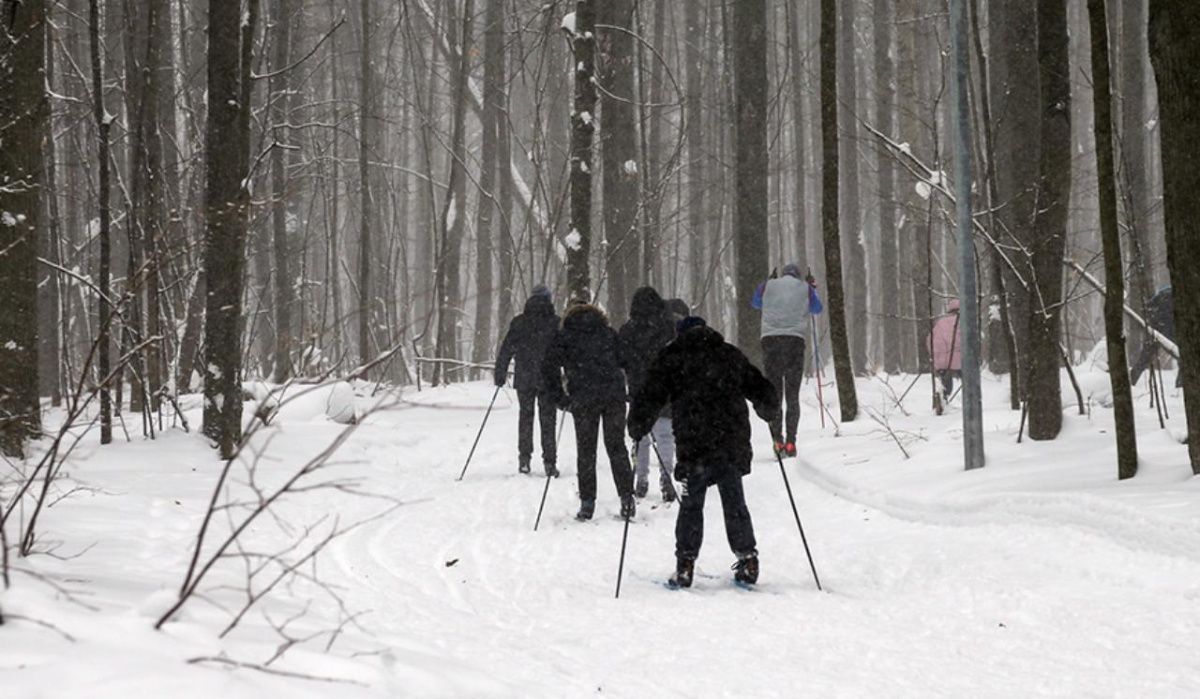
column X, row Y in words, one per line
column 817, row 369
column 545, row 490
column 624, row 539
column 476, row 444
column 662, row 465
column 798, row 524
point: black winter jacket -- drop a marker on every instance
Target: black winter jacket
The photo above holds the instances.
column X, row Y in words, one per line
column 529, row 336
column 707, row 381
column 648, row 330
column 585, row 349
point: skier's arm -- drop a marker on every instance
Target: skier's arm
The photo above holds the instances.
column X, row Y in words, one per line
column 756, row 301
column 552, row 371
column 649, row 401
column 505, row 355
column 815, row 307
column 759, row 391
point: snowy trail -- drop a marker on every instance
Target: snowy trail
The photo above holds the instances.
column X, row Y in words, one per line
column 922, row 601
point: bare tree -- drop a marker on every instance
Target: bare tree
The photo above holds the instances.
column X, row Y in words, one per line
column 23, row 114
column 1175, row 53
column 581, row 25
column 751, row 163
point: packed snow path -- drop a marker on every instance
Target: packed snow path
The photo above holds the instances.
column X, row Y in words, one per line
column 918, row 602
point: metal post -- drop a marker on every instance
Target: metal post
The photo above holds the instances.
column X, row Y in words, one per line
column 968, row 285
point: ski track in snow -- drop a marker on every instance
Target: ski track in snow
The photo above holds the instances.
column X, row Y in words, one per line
column 994, row 596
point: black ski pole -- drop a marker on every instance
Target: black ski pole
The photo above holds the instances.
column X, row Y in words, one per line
column 797, row 515
column 476, row 444
column 624, row 539
column 662, row 466
column 545, row 490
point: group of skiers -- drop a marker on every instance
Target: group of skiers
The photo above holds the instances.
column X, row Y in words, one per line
column 687, row 390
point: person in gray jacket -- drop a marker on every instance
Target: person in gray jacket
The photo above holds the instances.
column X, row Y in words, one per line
column 787, row 303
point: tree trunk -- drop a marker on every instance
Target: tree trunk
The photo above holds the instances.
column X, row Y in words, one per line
column 698, row 192
column 853, row 247
column 847, row 393
column 795, row 17
column 888, row 241
column 225, row 240
column 367, row 113
column 49, row 303
column 281, row 38
column 1114, row 294
column 493, row 71
column 579, row 240
column 1048, row 248
column 751, row 243
column 104, row 309
column 1175, row 53
column 23, row 113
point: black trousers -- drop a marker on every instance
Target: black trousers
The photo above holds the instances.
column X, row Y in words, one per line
column 528, row 400
column 783, row 362
column 587, row 428
column 689, row 527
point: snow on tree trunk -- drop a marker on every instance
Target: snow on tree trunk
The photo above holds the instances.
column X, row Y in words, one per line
column 579, row 239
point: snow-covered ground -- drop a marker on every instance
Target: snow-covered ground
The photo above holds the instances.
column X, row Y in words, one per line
column 1038, row 575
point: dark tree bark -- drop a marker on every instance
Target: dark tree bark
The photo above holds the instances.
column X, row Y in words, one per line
column 1048, row 247
column 751, row 164
column 795, row 15
column 847, row 393
column 1135, row 165
column 23, row 113
column 227, row 155
column 888, row 242
column 508, row 252
column 281, row 41
column 367, row 114
column 490, row 124
column 50, row 301
column 579, row 240
column 698, row 191
column 1114, row 282
column 1175, row 53
column 618, row 150
column 104, row 309
column 853, row 249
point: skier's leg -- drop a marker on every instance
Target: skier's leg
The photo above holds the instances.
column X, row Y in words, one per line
column 689, row 525
column 587, row 429
column 773, row 369
column 644, row 449
column 614, row 442
column 526, row 400
column 793, row 375
column 738, row 527
column 546, row 417
column 664, row 434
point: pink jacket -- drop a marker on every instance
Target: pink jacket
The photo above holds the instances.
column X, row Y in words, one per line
column 946, row 345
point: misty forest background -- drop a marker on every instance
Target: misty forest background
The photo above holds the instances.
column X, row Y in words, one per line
column 199, row 193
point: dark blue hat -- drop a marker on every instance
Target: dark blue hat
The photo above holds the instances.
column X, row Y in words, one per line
column 688, row 323
column 542, row 290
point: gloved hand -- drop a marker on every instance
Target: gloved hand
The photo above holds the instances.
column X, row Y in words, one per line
column 812, row 281
column 500, row 379
column 564, row 403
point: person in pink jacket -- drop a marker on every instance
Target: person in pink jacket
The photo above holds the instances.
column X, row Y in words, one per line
column 945, row 348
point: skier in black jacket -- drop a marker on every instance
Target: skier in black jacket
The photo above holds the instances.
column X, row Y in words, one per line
column 707, row 381
column 648, row 330
column 585, row 349
column 529, row 336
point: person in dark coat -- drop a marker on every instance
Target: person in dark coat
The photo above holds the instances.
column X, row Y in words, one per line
column 1161, row 316
column 585, row 350
column 529, row 336
column 707, row 381
column 678, row 309
column 641, row 338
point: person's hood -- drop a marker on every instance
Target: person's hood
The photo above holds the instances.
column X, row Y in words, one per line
column 791, row 270
column 646, row 304
column 539, row 305
column 700, row 336
column 584, row 316
column 679, row 307
column 952, row 306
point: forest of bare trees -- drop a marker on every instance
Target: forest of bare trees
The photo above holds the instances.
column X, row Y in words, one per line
column 199, row 193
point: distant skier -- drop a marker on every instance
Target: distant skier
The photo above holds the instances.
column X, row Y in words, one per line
column 641, row 338
column 707, row 381
column 678, row 309
column 1161, row 316
column 787, row 303
column 585, row 349
column 945, row 348
column 529, row 336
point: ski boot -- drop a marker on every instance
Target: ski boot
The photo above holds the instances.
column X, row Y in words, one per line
column 668, row 488
column 642, row 487
column 551, row 470
column 780, row 449
column 790, row 448
column 628, row 506
column 586, row 509
column 523, row 466
column 682, row 577
column 745, row 570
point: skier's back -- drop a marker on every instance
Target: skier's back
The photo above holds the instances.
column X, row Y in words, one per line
column 707, row 381
column 648, row 330
column 528, row 338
